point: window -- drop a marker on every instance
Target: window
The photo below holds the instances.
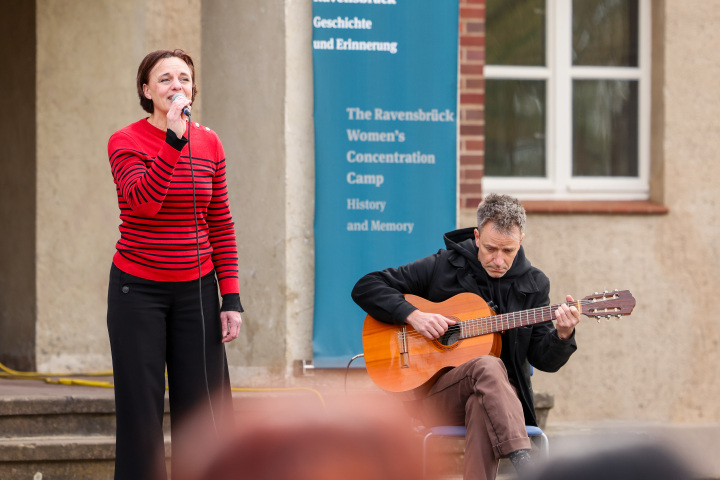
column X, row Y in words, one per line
column 567, row 99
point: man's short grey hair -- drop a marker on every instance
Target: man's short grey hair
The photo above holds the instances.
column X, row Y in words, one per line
column 504, row 211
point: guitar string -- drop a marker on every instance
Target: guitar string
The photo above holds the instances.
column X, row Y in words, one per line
column 485, row 325
column 498, row 323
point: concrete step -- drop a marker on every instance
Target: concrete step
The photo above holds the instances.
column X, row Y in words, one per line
column 55, row 447
column 57, row 457
column 55, row 432
column 60, row 415
column 28, row 417
column 67, row 433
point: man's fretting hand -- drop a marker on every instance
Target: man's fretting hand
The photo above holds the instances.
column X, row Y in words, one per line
column 566, row 318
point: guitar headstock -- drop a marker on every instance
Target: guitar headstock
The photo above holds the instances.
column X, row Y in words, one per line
column 608, row 304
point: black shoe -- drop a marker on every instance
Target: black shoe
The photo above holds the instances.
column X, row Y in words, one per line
column 521, row 460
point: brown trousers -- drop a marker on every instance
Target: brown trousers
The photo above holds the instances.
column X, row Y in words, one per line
column 479, row 395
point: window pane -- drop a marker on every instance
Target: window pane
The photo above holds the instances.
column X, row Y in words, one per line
column 515, row 128
column 605, row 128
column 605, row 32
column 515, row 32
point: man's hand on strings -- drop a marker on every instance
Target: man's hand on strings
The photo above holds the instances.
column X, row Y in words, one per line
column 430, row 325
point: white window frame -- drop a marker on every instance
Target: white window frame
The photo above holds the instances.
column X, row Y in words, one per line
column 559, row 184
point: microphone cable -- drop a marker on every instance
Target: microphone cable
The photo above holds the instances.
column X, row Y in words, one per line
column 197, row 245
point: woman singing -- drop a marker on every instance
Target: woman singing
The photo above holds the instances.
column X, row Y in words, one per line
column 177, row 247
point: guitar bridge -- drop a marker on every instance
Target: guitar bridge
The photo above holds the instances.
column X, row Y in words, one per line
column 402, row 343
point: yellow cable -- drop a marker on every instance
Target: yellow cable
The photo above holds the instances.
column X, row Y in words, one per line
column 75, row 381
column 14, row 374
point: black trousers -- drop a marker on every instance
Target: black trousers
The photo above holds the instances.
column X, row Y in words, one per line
column 153, row 325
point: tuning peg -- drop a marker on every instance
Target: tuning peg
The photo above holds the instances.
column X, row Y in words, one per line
column 618, row 317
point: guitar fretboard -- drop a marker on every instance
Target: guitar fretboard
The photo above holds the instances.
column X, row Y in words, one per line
column 507, row 321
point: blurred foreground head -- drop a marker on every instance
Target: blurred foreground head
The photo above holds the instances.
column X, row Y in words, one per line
column 291, row 443
column 313, row 452
column 639, row 462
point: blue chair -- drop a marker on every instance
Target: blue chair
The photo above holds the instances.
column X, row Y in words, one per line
column 535, row 434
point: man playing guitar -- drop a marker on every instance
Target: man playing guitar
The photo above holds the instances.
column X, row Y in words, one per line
column 492, row 396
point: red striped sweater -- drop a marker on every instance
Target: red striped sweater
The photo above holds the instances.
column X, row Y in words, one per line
column 154, row 189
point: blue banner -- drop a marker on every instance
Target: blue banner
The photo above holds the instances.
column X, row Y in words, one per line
column 385, row 86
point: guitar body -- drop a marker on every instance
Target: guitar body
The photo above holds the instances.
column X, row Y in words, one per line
column 399, row 359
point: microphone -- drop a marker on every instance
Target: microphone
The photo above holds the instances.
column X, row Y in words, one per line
column 186, row 109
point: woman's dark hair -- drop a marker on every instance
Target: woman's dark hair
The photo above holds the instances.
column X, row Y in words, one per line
column 146, row 66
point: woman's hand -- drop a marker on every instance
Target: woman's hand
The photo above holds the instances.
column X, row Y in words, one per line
column 176, row 121
column 230, row 322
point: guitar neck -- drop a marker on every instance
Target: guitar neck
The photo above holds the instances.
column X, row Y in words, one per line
column 507, row 321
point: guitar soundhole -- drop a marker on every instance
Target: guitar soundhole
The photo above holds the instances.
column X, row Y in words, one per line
column 451, row 336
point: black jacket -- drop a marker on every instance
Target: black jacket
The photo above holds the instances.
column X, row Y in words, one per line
column 451, row 271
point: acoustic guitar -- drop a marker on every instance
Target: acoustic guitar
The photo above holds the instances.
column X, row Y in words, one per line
column 400, row 359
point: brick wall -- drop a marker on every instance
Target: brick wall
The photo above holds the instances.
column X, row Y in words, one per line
column 472, row 99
